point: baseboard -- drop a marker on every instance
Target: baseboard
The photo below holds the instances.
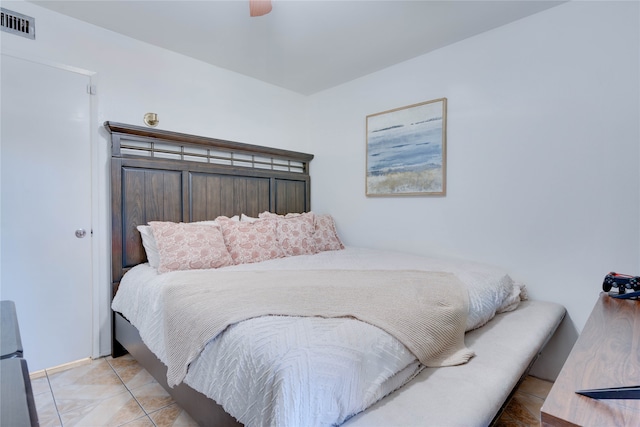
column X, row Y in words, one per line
column 39, row 374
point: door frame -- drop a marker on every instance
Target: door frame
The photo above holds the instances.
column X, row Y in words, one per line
column 100, row 257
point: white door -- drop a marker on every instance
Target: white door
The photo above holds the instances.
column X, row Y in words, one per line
column 45, row 156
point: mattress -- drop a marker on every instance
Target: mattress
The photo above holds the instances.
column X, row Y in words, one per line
column 490, row 290
column 471, row 395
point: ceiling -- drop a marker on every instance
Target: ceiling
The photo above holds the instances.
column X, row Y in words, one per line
column 302, row 45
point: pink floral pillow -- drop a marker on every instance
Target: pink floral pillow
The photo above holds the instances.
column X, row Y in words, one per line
column 296, row 234
column 249, row 242
column 326, row 236
column 189, row 246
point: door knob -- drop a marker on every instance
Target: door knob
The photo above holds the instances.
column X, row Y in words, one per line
column 80, row 233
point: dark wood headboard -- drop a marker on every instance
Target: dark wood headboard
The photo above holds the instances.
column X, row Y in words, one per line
column 158, row 175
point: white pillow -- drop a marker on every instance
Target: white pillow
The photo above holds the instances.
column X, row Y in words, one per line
column 150, row 246
column 245, row 218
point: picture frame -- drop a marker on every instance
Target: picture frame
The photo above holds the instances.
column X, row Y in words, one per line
column 406, row 150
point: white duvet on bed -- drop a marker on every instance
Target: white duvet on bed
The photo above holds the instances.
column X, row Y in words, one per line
column 293, row 371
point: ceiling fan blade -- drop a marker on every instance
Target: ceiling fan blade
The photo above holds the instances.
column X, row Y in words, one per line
column 259, row 7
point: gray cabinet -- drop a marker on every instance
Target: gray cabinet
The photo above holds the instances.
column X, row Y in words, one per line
column 17, row 407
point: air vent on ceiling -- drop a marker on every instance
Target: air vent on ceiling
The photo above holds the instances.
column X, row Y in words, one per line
column 17, row 23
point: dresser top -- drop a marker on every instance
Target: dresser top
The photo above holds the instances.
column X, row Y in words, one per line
column 607, row 354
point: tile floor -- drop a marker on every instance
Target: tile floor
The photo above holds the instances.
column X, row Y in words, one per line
column 119, row 392
column 105, row 392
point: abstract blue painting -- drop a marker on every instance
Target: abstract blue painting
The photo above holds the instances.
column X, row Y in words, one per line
column 406, row 150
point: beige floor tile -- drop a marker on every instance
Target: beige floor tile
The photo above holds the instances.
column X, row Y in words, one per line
column 152, row 397
column 98, row 372
column 120, row 362
column 40, row 385
column 114, row 411
column 172, row 416
column 49, row 422
column 140, row 422
column 85, row 385
column 130, row 372
column 72, row 398
column 46, row 409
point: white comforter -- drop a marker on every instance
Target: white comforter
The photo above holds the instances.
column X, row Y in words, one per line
column 293, row 371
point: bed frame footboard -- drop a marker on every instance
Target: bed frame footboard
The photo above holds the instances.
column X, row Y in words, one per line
column 203, row 410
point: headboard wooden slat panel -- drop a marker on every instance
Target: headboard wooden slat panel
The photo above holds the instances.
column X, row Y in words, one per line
column 159, row 175
column 213, row 195
column 133, row 192
column 289, row 195
column 149, row 195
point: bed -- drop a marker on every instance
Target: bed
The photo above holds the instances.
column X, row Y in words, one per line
column 167, row 184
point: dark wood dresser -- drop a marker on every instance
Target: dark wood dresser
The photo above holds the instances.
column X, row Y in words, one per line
column 607, row 354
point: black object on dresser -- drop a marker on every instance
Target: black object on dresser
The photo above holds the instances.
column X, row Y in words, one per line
column 17, row 406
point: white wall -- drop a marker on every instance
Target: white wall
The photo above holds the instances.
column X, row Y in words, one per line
column 543, row 149
column 134, row 78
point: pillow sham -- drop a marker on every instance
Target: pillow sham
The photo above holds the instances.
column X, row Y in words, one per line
column 294, row 232
column 149, row 242
column 249, row 242
column 326, row 235
column 189, row 246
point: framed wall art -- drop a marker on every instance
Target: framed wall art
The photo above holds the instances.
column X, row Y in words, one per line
column 406, row 150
